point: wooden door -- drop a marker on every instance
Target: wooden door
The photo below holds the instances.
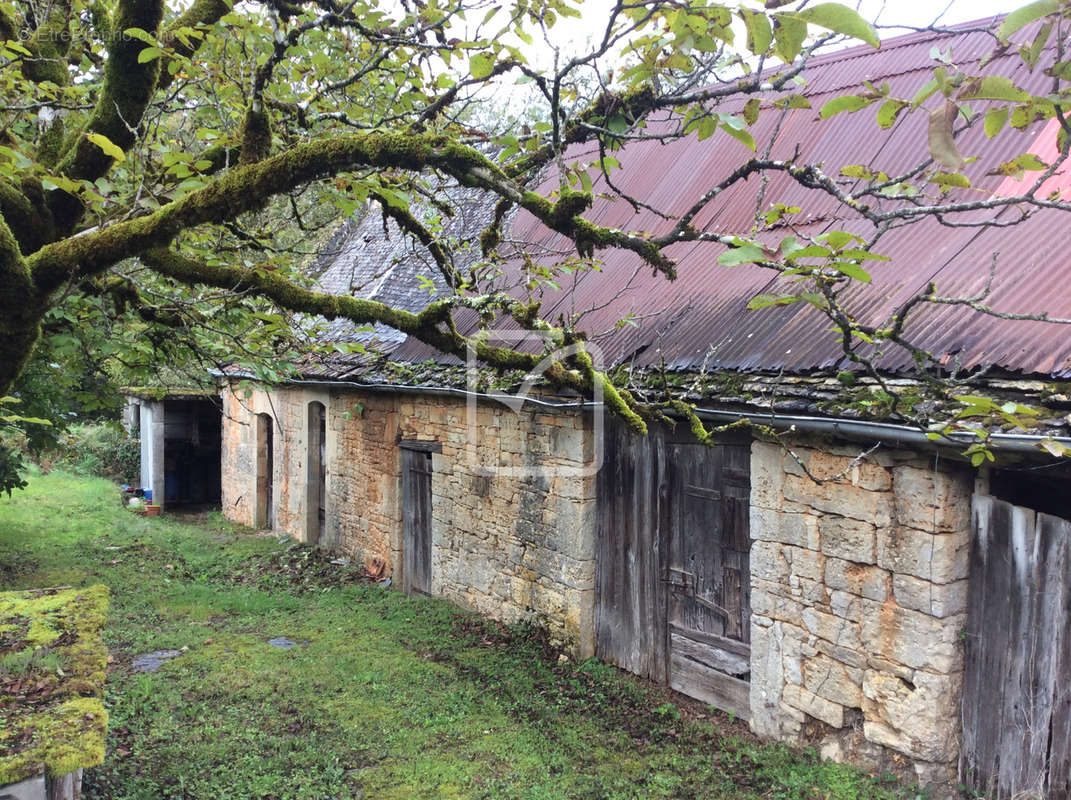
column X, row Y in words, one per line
column 707, row 576
column 316, row 479
column 1017, row 679
column 630, row 603
column 264, row 515
column 416, row 518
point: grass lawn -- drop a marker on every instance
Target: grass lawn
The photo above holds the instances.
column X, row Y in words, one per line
column 384, row 696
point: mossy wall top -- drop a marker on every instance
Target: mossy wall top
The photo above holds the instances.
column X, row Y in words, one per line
column 53, row 664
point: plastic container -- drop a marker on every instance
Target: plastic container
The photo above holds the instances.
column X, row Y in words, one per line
column 147, row 494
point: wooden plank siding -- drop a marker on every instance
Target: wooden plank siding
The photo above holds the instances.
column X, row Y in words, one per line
column 1017, row 681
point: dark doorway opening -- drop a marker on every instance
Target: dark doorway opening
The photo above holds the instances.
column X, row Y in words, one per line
column 192, row 448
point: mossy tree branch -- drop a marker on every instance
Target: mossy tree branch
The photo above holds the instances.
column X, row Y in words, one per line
column 20, row 312
column 201, row 13
column 249, row 187
column 127, row 89
column 579, row 374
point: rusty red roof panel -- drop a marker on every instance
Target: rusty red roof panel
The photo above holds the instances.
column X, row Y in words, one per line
column 701, row 318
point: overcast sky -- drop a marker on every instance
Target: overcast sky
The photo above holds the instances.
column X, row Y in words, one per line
column 917, row 13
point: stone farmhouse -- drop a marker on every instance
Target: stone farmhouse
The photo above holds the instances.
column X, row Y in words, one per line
column 851, row 585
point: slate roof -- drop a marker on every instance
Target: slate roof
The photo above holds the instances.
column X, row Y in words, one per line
column 371, row 258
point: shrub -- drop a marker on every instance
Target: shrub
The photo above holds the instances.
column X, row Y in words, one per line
column 103, row 450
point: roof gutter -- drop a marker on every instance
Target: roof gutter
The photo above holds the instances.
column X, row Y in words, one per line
column 834, row 426
column 882, row 431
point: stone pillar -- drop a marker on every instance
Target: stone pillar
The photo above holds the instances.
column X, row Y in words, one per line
column 152, row 449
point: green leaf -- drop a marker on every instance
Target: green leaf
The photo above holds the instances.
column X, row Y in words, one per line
column 1025, row 15
column 746, row 254
column 481, row 65
column 1027, row 162
column 848, row 102
column 789, row 33
column 923, row 93
column 50, row 182
column 767, row 300
column 994, row 121
column 1031, row 56
column 1055, row 448
column 811, row 251
column 1030, row 162
column 857, row 171
column 107, row 145
column 706, row 127
column 148, row 54
column 740, row 135
column 949, row 180
column 837, row 239
column 141, row 35
column 851, row 270
column 792, row 101
column 789, row 245
column 617, row 124
column 863, row 255
column 759, row 31
column 993, row 87
column 751, row 110
column 889, row 111
column 841, row 19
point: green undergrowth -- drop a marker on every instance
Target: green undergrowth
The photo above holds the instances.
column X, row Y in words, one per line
column 383, row 696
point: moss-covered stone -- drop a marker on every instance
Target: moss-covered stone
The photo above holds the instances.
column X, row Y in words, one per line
column 55, row 720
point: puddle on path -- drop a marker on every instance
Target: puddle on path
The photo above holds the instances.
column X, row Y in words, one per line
column 150, row 662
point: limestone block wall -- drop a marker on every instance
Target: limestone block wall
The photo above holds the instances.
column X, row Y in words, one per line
column 288, row 410
column 508, row 544
column 859, row 595
column 513, row 512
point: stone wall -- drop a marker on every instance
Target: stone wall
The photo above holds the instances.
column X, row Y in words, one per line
column 859, row 595
column 513, row 514
column 288, row 411
column 858, row 584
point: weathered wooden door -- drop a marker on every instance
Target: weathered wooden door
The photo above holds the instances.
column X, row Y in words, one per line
column 707, row 575
column 316, row 479
column 1017, row 681
column 264, row 513
column 630, row 601
column 416, row 518
column 672, row 570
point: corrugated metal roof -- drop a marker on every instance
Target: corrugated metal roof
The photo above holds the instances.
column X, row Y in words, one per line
column 700, row 319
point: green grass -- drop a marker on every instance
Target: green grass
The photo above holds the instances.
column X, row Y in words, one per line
column 386, row 697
